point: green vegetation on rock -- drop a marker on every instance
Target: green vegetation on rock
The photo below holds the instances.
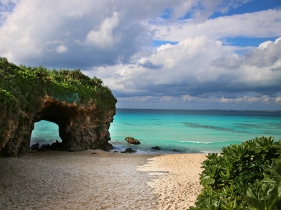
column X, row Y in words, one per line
column 7, row 98
column 23, row 86
column 245, row 176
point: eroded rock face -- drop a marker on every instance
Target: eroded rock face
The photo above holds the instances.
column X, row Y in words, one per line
column 80, row 127
column 81, row 106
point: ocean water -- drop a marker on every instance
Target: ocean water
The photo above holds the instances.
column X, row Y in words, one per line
column 45, row 132
column 186, row 131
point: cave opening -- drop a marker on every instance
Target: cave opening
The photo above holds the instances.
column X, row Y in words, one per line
column 55, row 119
column 44, row 133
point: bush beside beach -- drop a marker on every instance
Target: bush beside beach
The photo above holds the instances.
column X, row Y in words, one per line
column 245, row 176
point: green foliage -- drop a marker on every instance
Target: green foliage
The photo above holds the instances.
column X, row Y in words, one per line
column 245, row 176
column 7, row 98
column 28, row 84
column 266, row 194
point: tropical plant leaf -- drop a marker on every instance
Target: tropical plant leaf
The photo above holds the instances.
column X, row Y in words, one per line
column 245, row 176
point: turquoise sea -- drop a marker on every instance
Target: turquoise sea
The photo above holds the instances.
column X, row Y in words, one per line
column 187, row 131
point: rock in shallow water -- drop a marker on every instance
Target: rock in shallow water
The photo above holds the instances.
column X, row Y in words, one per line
column 129, row 150
column 156, row 148
column 132, row 140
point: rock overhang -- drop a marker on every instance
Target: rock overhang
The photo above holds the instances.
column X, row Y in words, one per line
column 82, row 108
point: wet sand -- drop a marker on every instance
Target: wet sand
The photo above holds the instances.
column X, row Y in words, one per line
column 106, row 180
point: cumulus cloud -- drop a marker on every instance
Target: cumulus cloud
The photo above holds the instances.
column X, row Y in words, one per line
column 181, row 63
column 266, row 54
column 104, row 37
column 93, row 33
column 198, row 70
column 61, row 49
column 256, row 24
column 113, row 40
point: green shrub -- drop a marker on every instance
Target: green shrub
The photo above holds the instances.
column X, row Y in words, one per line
column 8, row 99
column 245, row 176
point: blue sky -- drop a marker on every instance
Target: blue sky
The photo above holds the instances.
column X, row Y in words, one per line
column 180, row 54
column 253, row 6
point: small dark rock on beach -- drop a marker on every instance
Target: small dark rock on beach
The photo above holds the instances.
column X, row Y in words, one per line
column 35, row 146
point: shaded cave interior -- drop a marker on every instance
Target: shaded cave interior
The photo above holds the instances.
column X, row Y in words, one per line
column 60, row 115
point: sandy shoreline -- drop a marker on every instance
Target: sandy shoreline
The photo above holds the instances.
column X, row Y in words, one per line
column 106, row 180
column 177, row 184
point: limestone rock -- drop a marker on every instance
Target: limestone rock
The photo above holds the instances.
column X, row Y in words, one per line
column 129, row 150
column 132, row 140
column 156, row 148
column 81, row 107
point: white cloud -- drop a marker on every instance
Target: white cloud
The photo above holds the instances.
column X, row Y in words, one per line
column 187, row 98
column 257, row 24
column 166, row 98
column 198, row 70
column 61, row 49
column 95, row 33
column 187, row 101
column 264, row 44
column 104, row 37
column 110, row 39
column 33, row 23
column 116, row 31
column 186, row 61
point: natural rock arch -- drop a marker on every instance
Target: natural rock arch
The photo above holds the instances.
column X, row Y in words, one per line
column 82, row 108
column 79, row 127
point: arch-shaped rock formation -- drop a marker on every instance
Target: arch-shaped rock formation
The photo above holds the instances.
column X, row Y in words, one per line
column 83, row 121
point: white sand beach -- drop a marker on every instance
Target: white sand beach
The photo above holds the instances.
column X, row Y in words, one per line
column 176, row 183
column 106, row 180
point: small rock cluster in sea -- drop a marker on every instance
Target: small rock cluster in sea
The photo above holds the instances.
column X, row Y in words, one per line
column 57, row 146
